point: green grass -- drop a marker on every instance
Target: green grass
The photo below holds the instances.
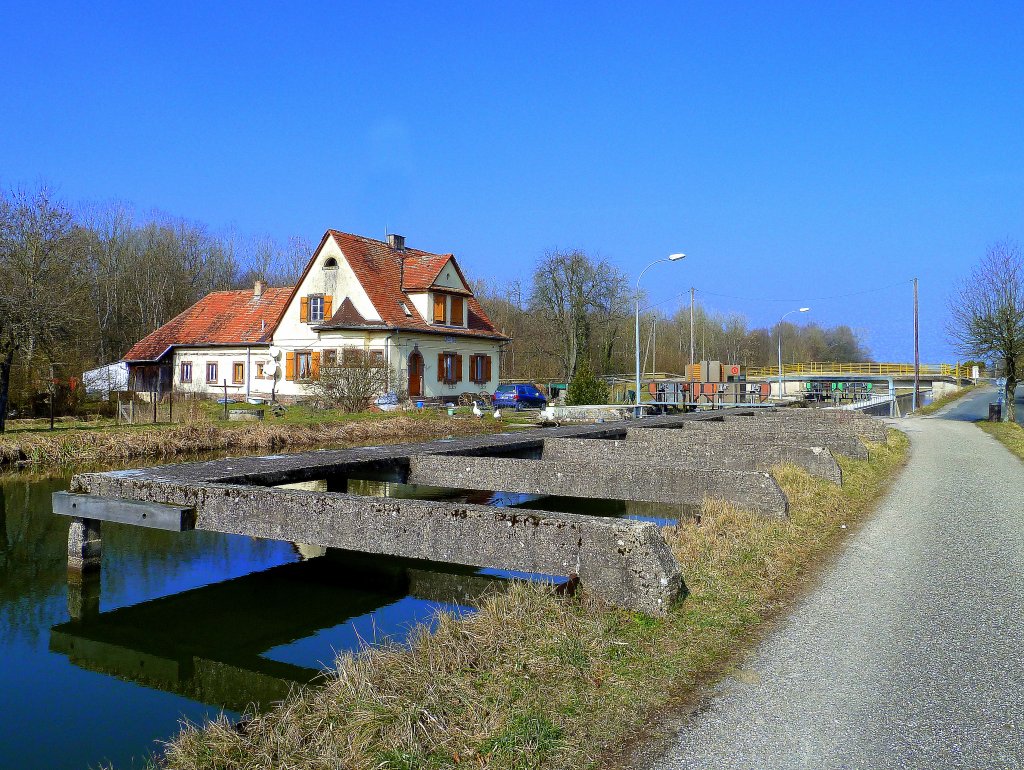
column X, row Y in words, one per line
column 1010, row 434
column 536, row 680
column 949, row 398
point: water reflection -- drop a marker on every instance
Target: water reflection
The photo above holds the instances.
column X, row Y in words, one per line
column 251, row 639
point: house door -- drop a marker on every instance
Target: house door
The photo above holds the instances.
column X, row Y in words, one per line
column 415, row 374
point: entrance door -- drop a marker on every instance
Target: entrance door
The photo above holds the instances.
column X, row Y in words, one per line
column 415, row 374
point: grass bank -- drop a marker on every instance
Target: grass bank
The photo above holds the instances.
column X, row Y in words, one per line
column 949, row 398
column 535, row 680
column 1009, row 433
column 37, row 450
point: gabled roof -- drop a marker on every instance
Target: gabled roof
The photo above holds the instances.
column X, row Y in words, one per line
column 379, row 268
column 219, row 318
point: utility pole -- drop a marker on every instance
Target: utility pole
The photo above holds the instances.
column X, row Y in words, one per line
column 917, row 353
column 693, row 349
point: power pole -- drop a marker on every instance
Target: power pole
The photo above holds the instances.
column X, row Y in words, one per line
column 917, row 353
column 693, row 349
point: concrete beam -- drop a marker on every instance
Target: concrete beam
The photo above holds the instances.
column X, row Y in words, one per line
column 818, row 461
column 625, row 562
column 85, row 546
column 632, row 481
column 739, row 434
column 150, row 515
column 859, row 424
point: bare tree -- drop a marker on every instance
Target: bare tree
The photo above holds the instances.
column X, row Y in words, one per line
column 574, row 292
column 987, row 314
column 352, row 383
column 41, row 285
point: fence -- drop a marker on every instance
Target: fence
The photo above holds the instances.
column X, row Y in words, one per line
column 866, row 368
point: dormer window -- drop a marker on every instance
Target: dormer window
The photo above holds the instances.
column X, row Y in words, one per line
column 330, row 263
column 458, row 312
column 405, row 309
column 440, row 309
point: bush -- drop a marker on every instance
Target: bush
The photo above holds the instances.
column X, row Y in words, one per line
column 585, row 388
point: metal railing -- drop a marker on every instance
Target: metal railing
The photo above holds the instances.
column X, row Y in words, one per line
column 860, row 368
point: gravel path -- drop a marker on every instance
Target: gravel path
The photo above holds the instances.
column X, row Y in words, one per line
column 911, row 653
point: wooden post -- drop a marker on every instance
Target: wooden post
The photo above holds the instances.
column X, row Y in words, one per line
column 170, row 400
column 917, row 354
column 53, row 395
column 225, row 399
column 693, row 351
column 153, row 396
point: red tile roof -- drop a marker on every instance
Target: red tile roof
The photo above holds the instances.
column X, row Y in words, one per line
column 239, row 318
column 220, row 318
column 379, row 269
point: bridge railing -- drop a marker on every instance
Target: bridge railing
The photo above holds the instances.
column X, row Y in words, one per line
column 860, row 368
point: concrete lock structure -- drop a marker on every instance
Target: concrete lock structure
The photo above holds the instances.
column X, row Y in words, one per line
column 861, row 425
column 663, row 449
column 678, row 459
column 680, row 483
column 835, row 439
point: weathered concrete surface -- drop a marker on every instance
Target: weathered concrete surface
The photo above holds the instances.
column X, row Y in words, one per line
column 731, row 434
column 862, row 425
column 85, row 546
column 817, row 461
column 626, row 562
column 753, row 490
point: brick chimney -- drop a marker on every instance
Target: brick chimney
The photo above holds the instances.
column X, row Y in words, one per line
column 259, row 288
column 397, row 242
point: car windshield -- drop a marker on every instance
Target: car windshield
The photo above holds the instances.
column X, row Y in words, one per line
column 505, row 389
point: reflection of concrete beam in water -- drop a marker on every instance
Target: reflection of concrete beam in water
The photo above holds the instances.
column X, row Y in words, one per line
column 206, row 643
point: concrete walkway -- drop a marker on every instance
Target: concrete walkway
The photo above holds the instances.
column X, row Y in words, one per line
column 911, row 653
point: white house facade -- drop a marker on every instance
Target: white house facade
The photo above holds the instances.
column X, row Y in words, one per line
column 407, row 310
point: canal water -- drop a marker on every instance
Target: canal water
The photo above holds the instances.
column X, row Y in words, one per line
column 184, row 626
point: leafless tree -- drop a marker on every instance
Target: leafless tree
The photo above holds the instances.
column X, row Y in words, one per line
column 351, row 384
column 41, row 285
column 987, row 314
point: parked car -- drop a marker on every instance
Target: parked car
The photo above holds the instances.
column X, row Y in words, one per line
column 519, row 396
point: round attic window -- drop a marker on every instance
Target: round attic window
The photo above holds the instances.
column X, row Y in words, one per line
column 330, row 262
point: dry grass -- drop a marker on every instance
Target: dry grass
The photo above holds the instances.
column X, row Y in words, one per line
column 1009, row 433
column 538, row 681
column 949, row 398
column 76, row 448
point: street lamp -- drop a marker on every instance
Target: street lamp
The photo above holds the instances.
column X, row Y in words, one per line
column 637, row 412
column 798, row 310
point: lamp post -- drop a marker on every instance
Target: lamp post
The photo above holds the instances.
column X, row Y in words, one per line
column 798, row 310
column 637, row 411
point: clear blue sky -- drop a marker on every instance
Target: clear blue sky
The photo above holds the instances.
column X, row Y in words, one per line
column 793, row 150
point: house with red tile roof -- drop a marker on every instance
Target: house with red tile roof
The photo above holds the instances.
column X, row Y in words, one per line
column 411, row 311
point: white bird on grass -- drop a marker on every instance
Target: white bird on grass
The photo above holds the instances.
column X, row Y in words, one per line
column 476, row 410
column 497, row 414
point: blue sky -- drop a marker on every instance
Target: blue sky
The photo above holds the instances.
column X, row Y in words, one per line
column 795, row 151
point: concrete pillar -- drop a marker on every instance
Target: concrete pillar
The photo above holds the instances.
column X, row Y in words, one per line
column 85, row 547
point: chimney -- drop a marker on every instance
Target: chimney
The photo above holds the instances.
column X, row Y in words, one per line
column 259, row 288
column 397, row 242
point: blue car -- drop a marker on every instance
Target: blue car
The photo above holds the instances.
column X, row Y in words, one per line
column 519, row 396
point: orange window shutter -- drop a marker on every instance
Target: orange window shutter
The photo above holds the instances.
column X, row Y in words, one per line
column 439, row 308
column 315, row 364
column 440, row 367
column 289, row 366
column 458, row 367
column 457, row 311
column 328, row 307
column 487, row 368
column 304, row 310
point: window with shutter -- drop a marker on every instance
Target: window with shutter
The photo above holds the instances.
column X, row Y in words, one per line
column 328, row 306
column 304, row 310
column 289, row 369
column 439, row 308
column 457, row 312
column 449, row 368
column 238, row 372
column 314, row 367
column 316, row 308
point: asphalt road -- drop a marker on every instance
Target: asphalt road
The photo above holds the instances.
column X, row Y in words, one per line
column 910, row 654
